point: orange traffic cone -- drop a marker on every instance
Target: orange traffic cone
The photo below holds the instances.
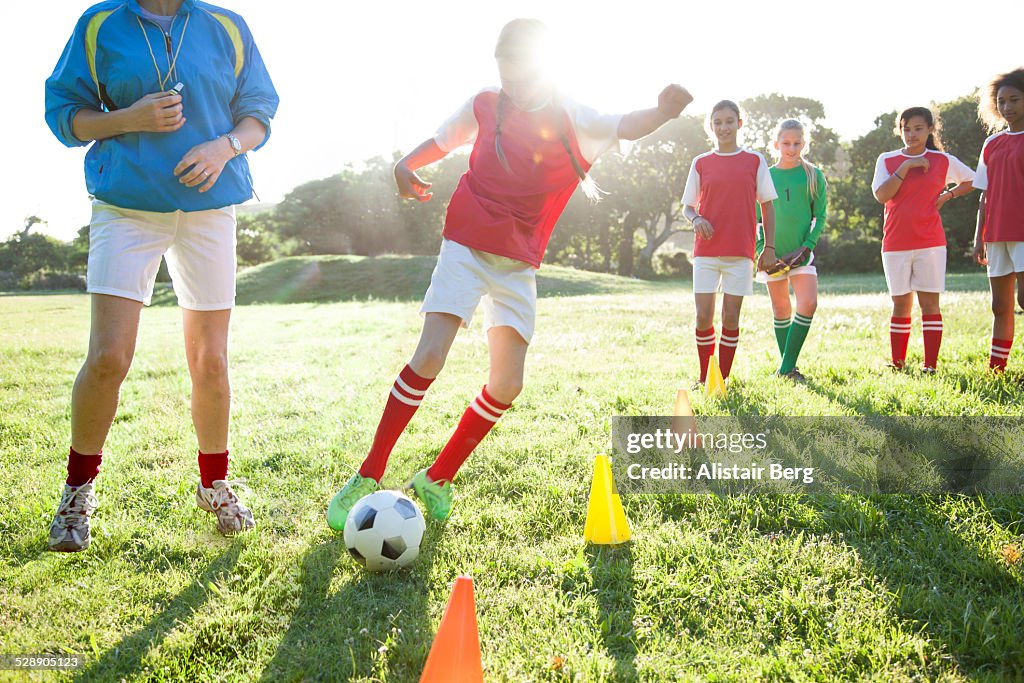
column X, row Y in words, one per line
column 715, row 385
column 606, row 520
column 683, row 421
column 455, row 655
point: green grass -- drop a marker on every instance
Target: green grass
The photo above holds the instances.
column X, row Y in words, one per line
column 806, row 588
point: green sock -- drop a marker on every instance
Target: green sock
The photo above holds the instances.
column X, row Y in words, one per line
column 794, row 342
column 781, row 332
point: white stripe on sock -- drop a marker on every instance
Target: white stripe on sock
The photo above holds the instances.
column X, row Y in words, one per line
column 482, row 412
column 404, row 399
column 490, row 406
column 407, row 389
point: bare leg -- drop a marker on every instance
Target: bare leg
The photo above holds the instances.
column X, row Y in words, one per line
column 1002, row 306
column 508, row 363
column 731, row 305
column 929, row 303
column 805, row 287
column 439, row 330
column 206, row 350
column 778, row 291
column 112, row 336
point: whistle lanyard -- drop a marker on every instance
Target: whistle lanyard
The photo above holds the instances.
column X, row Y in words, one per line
column 163, row 79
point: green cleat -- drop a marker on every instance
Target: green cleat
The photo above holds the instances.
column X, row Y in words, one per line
column 353, row 490
column 436, row 496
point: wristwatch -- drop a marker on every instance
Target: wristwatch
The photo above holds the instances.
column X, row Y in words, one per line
column 236, row 146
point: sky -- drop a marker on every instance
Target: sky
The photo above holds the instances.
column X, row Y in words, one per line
column 358, row 79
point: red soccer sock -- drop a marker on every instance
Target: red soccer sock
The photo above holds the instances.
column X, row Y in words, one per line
column 705, row 349
column 212, row 467
column 931, row 325
column 406, row 396
column 478, row 419
column 899, row 338
column 82, row 468
column 727, row 350
column 1000, row 354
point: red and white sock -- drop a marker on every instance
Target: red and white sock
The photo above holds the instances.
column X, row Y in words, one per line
column 1000, row 353
column 899, row 339
column 406, row 396
column 212, row 467
column 727, row 350
column 705, row 349
column 478, row 419
column 82, row 468
column 931, row 325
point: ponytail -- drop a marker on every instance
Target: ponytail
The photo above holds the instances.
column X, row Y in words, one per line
column 932, row 120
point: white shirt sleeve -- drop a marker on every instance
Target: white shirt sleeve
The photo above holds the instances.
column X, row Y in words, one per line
column 958, row 172
column 692, row 190
column 596, row 133
column 766, row 191
column 981, row 175
column 460, row 128
column 881, row 173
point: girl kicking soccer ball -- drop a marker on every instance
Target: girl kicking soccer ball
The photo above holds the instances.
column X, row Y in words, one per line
column 913, row 183
column 720, row 196
column 799, row 220
column 999, row 240
column 531, row 148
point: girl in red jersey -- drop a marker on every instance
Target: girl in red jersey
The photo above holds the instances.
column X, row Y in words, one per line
column 720, row 196
column 999, row 239
column 913, row 184
column 531, row 149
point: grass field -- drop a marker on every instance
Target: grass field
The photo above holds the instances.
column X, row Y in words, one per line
column 805, row 588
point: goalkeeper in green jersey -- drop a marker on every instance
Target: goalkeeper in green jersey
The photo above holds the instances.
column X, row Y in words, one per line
column 799, row 220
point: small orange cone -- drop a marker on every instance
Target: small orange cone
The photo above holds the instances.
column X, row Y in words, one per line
column 683, row 421
column 606, row 520
column 455, row 655
column 715, row 385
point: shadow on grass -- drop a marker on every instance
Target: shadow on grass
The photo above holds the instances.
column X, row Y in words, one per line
column 962, row 597
column 966, row 602
column 372, row 625
column 126, row 657
column 610, row 580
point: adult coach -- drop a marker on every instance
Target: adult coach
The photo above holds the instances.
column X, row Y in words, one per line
column 165, row 169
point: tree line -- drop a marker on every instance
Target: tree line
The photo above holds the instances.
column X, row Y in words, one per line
column 629, row 232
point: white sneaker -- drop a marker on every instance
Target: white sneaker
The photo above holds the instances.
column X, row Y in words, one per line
column 69, row 530
column 232, row 515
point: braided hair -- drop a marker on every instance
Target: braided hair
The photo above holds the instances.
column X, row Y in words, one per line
column 521, row 39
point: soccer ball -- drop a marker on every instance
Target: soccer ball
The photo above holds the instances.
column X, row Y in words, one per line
column 383, row 531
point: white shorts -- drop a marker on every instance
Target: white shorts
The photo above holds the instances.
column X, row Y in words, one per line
column 1004, row 258
column 915, row 270
column 464, row 276
column 729, row 274
column 125, row 246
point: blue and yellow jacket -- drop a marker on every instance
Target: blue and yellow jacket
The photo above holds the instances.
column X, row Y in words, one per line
column 107, row 65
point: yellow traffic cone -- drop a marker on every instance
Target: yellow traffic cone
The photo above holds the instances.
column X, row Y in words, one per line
column 606, row 520
column 715, row 385
column 683, row 420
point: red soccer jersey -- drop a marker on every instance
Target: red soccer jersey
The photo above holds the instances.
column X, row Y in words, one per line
column 1001, row 175
column 911, row 219
column 724, row 189
column 512, row 211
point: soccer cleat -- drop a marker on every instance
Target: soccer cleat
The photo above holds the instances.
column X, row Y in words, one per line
column 69, row 530
column 794, row 375
column 342, row 502
column 896, row 367
column 927, row 370
column 697, row 386
column 437, row 496
column 232, row 515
